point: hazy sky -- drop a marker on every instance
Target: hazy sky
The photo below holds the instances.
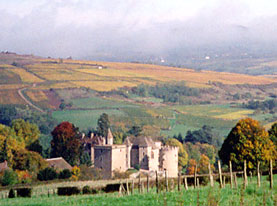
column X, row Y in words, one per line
column 81, row 28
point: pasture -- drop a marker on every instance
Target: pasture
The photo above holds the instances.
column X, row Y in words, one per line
column 204, row 195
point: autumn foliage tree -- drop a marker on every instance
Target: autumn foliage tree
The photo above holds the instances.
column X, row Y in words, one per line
column 249, row 141
column 273, row 134
column 66, row 142
column 13, row 150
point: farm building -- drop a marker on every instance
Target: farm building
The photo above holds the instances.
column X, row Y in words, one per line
column 58, row 164
column 140, row 152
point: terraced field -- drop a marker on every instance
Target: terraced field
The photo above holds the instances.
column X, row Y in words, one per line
column 39, row 77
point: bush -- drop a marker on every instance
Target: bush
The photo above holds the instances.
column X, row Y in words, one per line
column 9, row 178
column 90, row 173
column 120, row 175
column 47, row 174
column 24, row 192
column 24, row 176
column 86, row 190
column 65, row 174
column 137, row 166
column 68, row 191
column 11, row 194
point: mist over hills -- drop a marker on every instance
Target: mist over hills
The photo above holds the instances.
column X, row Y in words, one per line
column 217, row 35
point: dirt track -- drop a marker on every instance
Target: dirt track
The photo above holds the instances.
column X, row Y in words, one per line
column 27, row 101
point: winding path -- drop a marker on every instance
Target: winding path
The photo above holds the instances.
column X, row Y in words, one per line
column 27, row 101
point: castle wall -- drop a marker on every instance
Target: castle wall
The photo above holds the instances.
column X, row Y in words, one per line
column 134, row 156
column 154, row 159
column 103, row 160
column 119, row 158
column 169, row 160
column 143, row 157
column 92, row 154
column 128, row 156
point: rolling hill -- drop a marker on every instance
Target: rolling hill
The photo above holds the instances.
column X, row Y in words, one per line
column 89, row 88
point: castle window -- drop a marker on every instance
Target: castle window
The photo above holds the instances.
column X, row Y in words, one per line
column 152, row 155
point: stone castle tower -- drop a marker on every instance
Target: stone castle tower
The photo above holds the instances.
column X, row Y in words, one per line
column 141, row 151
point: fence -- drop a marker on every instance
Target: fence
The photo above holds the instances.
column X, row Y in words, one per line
column 127, row 186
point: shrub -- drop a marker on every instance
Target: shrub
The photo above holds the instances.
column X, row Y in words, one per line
column 90, row 173
column 24, row 192
column 9, row 178
column 65, row 174
column 68, row 191
column 120, row 175
column 24, row 176
column 137, row 166
column 86, row 190
column 47, row 174
column 11, row 193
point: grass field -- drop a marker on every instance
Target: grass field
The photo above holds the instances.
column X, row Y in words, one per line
column 84, row 119
column 251, row 196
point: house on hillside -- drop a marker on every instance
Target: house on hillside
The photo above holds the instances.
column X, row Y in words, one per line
column 4, row 166
column 58, row 163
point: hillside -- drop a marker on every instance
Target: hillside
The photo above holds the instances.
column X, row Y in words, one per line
column 88, row 88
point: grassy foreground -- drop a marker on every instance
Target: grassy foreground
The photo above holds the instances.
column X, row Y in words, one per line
column 203, row 196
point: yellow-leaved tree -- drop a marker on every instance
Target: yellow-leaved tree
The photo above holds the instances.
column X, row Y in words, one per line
column 249, row 141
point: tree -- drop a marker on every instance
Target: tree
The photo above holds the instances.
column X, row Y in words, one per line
column 204, row 135
column 27, row 132
column 204, row 164
column 135, row 130
column 28, row 160
column 103, row 124
column 66, row 142
column 35, row 147
column 191, row 167
column 47, row 174
column 9, row 178
column 248, row 141
column 7, row 114
column 182, row 154
column 273, row 134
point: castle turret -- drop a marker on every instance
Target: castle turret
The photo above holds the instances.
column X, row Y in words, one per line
column 109, row 138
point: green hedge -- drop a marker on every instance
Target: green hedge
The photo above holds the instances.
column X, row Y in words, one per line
column 67, row 191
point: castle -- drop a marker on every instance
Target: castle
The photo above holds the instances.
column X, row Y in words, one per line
column 139, row 152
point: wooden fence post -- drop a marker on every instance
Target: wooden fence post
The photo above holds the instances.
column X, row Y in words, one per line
column 224, row 180
column 186, row 183
column 245, row 174
column 179, row 181
column 220, row 174
column 172, row 185
column 231, row 174
column 166, row 181
column 147, row 182
column 157, row 182
column 198, row 185
column 195, row 174
column 258, row 175
column 139, row 184
column 235, row 180
column 211, row 176
column 271, row 174
column 127, row 187
column 133, row 185
column 120, row 189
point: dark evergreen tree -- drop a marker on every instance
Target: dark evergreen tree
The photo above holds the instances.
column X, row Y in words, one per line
column 103, row 124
